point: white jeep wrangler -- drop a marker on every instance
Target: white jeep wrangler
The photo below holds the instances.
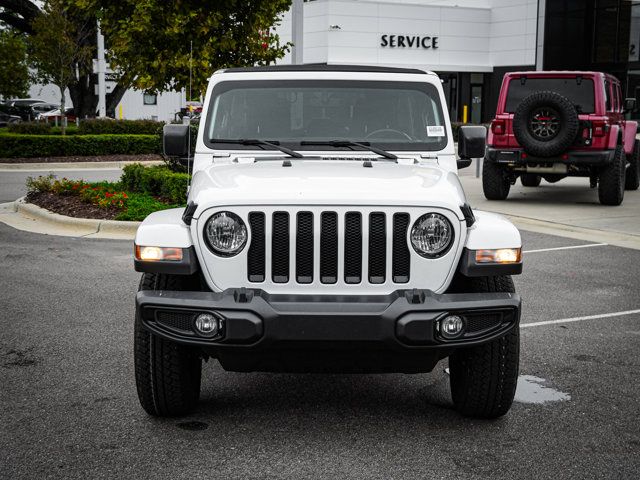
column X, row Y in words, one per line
column 326, row 231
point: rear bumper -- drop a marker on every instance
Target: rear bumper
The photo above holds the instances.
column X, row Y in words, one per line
column 382, row 333
column 513, row 156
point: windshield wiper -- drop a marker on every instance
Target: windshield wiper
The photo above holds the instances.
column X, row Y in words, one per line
column 349, row 143
column 258, row 142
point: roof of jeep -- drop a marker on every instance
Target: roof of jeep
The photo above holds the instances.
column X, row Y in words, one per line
column 323, row 67
column 551, row 73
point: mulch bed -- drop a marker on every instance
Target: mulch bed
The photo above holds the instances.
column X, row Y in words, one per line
column 71, row 206
column 101, row 158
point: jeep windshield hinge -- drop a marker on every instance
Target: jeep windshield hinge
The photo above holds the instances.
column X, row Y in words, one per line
column 469, row 217
column 189, row 210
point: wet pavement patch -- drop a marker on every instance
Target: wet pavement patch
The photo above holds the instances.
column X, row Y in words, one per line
column 534, row 390
column 193, row 426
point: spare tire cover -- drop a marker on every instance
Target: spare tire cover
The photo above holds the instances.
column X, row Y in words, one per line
column 545, row 124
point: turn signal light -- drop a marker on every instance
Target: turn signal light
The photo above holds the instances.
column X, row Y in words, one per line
column 501, row 255
column 155, row 254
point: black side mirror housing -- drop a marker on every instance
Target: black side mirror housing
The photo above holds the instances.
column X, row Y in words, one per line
column 629, row 104
column 471, row 143
column 175, row 141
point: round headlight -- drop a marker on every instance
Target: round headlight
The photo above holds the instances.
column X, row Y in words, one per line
column 432, row 235
column 226, row 234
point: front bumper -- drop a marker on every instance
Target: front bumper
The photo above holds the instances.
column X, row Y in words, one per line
column 515, row 157
column 378, row 333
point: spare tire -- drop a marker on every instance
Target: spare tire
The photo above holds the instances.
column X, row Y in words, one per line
column 545, row 124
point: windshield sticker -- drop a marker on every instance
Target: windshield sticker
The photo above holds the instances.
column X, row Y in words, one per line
column 435, row 131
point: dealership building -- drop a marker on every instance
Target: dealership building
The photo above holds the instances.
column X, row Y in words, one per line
column 470, row 44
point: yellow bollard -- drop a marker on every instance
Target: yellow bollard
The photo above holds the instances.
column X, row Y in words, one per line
column 120, row 111
column 465, row 110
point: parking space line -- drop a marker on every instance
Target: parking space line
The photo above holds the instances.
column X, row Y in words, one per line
column 566, row 248
column 579, row 319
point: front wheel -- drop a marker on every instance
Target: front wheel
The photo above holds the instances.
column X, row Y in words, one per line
column 632, row 176
column 530, row 180
column 167, row 374
column 484, row 378
column 495, row 183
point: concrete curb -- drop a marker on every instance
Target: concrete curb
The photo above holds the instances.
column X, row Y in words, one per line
column 73, row 165
column 82, row 226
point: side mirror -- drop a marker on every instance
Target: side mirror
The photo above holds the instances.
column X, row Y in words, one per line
column 629, row 104
column 471, row 143
column 175, row 140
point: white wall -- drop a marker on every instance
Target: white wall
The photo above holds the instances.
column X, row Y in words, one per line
column 133, row 107
column 474, row 35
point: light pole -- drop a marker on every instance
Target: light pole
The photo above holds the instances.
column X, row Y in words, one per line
column 102, row 85
column 297, row 31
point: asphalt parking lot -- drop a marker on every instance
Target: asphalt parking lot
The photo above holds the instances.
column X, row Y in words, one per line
column 70, row 410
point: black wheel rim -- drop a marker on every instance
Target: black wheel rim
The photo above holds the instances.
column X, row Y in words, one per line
column 544, row 123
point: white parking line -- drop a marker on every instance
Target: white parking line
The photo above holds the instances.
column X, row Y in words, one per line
column 579, row 319
column 566, row 248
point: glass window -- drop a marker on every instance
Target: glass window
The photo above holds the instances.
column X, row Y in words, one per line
column 392, row 115
column 607, row 96
column 581, row 93
column 149, row 99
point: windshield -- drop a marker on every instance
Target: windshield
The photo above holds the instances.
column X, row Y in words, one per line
column 580, row 93
column 389, row 115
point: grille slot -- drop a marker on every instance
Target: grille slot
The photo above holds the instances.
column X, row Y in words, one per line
column 401, row 262
column 329, row 247
column 352, row 247
column 280, row 248
column 175, row 320
column 304, row 248
column 256, row 255
column 481, row 322
column 377, row 248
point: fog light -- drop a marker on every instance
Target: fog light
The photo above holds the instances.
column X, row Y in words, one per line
column 207, row 324
column 451, row 326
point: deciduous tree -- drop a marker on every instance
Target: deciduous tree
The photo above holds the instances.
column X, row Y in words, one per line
column 14, row 72
column 149, row 40
column 59, row 48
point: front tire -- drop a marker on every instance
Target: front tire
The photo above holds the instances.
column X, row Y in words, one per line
column 484, row 378
column 167, row 374
column 530, row 180
column 612, row 178
column 632, row 176
column 495, row 183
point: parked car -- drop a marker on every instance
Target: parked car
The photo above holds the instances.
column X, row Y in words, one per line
column 23, row 107
column 6, row 119
column 55, row 115
column 552, row 125
column 38, row 108
column 326, row 230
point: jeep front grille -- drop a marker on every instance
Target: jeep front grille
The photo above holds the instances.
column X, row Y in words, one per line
column 347, row 248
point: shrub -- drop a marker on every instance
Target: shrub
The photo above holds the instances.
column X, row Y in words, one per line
column 30, row 128
column 40, row 184
column 140, row 205
column 158, row 181
column 98, row 126
column 14, row 145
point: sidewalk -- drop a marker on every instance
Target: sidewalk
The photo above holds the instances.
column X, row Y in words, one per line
column 568, row 208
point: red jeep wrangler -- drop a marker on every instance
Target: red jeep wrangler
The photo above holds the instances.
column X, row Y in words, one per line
column 553, row 125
